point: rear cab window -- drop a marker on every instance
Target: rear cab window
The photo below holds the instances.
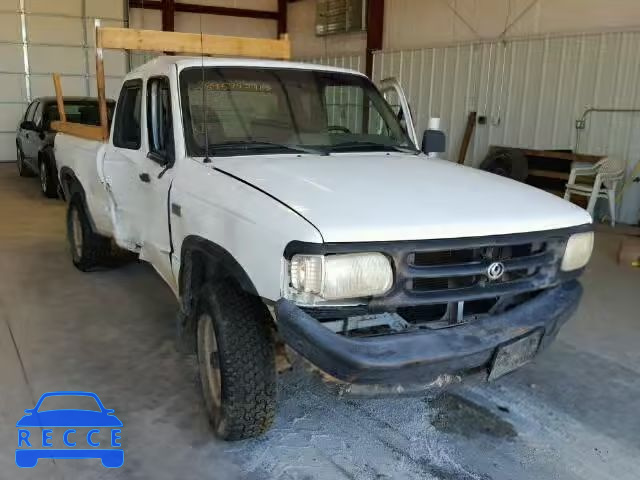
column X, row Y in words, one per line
column 126, row 133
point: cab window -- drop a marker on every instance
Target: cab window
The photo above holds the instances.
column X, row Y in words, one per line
column 126, row 132
column 159, row 124
column 37, row 116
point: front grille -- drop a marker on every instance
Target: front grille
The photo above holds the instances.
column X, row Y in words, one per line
column 468, row 267
column 447, row 282
column 444, row 282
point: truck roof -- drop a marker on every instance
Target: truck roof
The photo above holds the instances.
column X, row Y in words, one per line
column 165, row 61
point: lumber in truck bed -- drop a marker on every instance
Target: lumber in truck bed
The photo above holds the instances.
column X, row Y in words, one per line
column 176, row 42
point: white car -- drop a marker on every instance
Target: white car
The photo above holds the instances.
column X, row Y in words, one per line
column 255, row 185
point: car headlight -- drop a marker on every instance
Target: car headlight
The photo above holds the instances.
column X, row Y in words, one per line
column 335, row 277
column 578, row 251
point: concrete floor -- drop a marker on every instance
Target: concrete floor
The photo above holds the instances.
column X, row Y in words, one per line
column 573, row 413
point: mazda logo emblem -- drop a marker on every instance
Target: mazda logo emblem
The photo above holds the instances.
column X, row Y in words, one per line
column 495, row 270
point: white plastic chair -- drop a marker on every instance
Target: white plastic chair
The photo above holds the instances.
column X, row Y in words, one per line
column 608, row 172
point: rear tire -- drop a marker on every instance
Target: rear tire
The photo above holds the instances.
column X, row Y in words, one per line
column 506, row 162
column 236, row 360
column 88, row 249
column 48, row 182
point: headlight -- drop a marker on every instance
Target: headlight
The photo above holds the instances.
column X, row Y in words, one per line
column 578, row 251
column 335, row 277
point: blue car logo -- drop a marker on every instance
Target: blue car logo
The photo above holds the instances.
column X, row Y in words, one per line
column 42, row 423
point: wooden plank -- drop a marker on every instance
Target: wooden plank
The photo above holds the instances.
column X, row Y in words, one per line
column 571, row 157
column 466, row 140
column 152, row 40
column 100, row 80
column 59, row 99
column 88, row 132
column 549, row 174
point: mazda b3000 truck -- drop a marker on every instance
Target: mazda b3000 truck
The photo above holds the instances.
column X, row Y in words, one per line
column 255, row 187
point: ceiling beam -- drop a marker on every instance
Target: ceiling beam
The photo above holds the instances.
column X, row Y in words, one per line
column 208, row 9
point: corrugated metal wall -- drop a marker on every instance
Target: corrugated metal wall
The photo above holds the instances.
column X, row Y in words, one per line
column 531, row 91
column 353, row 62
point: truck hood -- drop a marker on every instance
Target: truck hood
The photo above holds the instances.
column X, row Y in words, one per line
column 378, row 196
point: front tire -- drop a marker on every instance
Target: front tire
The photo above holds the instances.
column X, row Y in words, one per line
column 236, row 360
column 88, row 249
column 48, row 182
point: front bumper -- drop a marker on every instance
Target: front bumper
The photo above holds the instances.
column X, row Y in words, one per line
column 424, row 355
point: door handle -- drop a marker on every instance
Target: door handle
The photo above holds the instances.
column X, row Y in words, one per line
column 144, row 177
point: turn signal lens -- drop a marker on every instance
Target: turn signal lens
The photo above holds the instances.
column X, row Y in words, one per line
column 578, row 251
column 306, row 273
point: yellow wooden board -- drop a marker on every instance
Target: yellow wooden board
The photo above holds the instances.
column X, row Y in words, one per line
column 58, row 88
column 152, row 40
column 89, row 132
column 194, row 43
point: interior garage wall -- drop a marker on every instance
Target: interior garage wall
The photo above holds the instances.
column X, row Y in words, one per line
column 305, row 43
column 412, row 24
column 531, row 91
column 39, row 37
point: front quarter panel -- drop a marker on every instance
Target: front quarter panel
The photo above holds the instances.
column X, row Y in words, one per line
column 253, row 227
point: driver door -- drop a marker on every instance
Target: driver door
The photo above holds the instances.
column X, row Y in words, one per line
column 395, row 97
column 156, row 168
column 121, row 166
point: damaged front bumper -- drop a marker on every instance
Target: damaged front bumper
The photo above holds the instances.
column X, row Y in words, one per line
column 424, row 355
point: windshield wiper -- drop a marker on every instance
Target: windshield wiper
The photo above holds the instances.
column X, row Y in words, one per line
column 360, row 145
column 254, row 144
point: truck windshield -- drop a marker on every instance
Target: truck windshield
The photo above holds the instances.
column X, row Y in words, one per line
column 237, row 111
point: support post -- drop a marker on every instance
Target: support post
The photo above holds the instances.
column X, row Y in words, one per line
column 282, row 17
column 59, row 99
column 168, row 15
column 375, row 29
column 102, row 97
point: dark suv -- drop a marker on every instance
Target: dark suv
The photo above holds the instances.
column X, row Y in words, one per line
column 34, row 137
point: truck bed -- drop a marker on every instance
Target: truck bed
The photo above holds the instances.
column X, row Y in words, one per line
column 81, row 159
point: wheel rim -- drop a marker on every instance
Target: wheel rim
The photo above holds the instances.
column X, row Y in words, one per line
column 76, row 234
column 43, row 177
column 209, row 363
column 19, row 159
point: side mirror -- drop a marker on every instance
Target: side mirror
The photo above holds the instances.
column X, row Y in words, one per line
column 28, row 125
column 161, row 159
column 434, row 141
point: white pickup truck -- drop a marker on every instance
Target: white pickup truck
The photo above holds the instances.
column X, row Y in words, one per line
column 286, row 200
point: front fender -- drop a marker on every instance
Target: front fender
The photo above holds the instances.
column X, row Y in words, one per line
column 250, row 226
